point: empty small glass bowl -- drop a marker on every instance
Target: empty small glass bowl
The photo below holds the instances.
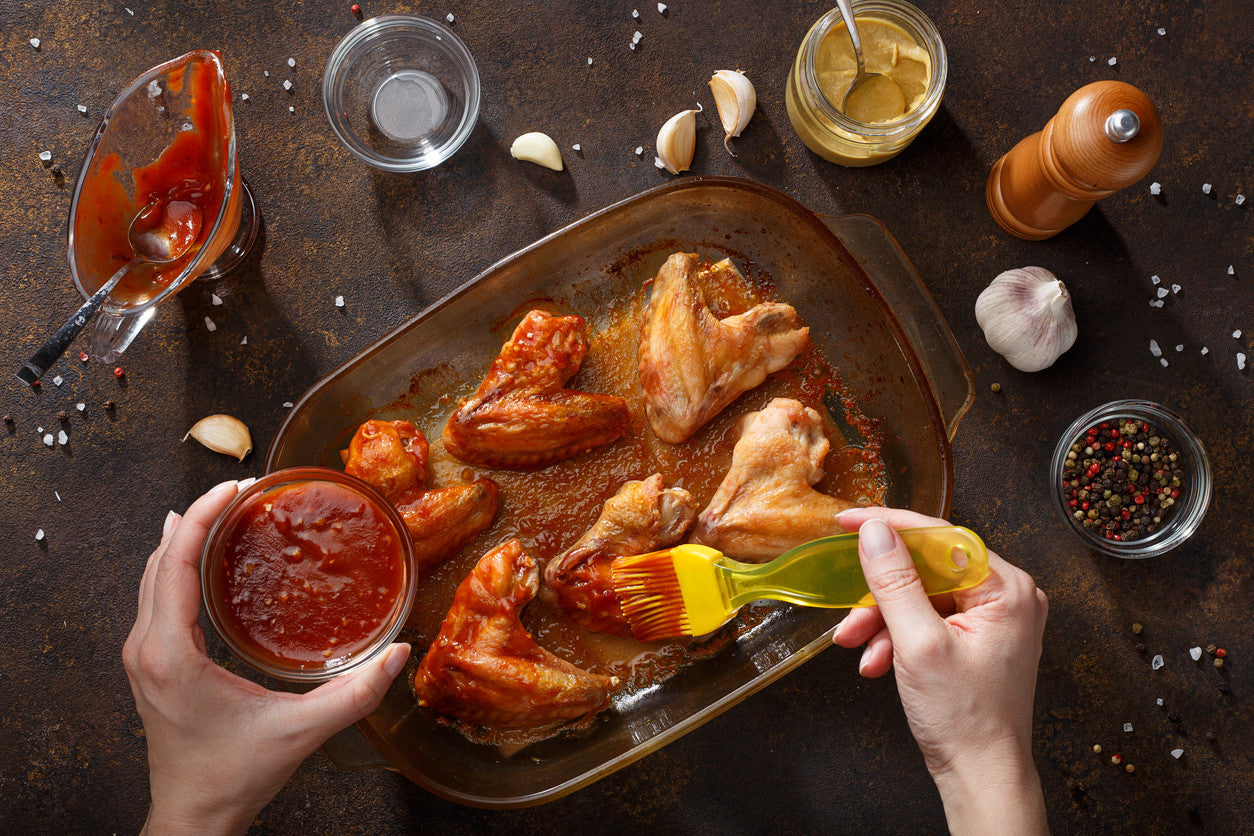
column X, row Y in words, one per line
column 1195, row 489
column 402, row 92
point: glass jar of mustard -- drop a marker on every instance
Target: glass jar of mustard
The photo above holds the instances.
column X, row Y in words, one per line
column 898, row 41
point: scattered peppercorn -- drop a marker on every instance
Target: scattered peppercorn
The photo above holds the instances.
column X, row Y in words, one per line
column 1123, row 480
column 1129, row 769
column 117, row 371
column 82, row 356
column 8, row 419
column 1220, row 652
column 1224, row 687
column 1210, row 648
column 1173, row 716
column 1116, row 759
column 355, row 9
column 1097, row 748
column 34, row 384
column 1210, row 736
column 1219, row 662
column 109, row 405
column 1136, row 629
column 63, row 416
column 996, row 387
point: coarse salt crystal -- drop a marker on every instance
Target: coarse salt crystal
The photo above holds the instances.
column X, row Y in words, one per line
column 46, row 156
column 129, row 12
column 1195, row 653
column 1162, row 31
column 1239, row 199
column 1156, row 188
column 1158, row 303
column 1113, row 61
column 287, row 84
column 80, row 406
column 632, row 45
column 287, row 404
column 1240, row 361
column 1176, row 753
column 1205, row 350
column 266, row 73
column 1155, row 279
column 1162, row 291
column 48, row 439
column 244, row 341
column 35, row 42
column 657, row 163
column 291, row 109
column 635, row 14
column 635, row 38
column 661, row 8
column 39, row 535
column 339, row 301
column 39, row 430
column 1175, row 288
column 62, row 438
column 209, row 323
column 215, row 298
column 1092, row 58
column 1206, row 188
column 243, row 97
column 82, row 109
column 589, row 60
column 576, row 147
column 1180, row 348
column 1236, row 335
column 1127, row 727
column 1154, row 349
column 58, row 380
column 1230, row 270
column 1157, row 661
column 639, row 150
column 291, row 62
column 57, row 494
column 1163, row 360
column 449, row 17
column 1159, row 701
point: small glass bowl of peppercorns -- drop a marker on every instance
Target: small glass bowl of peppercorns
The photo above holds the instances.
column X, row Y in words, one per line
column 1131, row 479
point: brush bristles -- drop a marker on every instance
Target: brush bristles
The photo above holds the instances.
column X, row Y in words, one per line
column 648, row 591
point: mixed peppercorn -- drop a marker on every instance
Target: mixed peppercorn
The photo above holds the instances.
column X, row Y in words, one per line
column 1122, row 479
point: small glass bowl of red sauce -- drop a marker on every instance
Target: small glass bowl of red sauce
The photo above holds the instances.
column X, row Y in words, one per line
column 308, row 574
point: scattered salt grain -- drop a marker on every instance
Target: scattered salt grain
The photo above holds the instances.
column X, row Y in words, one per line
column 449, row 17
column 48, row 439
column 1195, row 653
column 62, row 438
column 287, row 404
column 1206, row 188
column 80, row 406
column 291, row 109
column 657, row 163
column 1205, row 350
column 661, row 8
column 57, row 494
column 632, row 45
column 1127, row 727
column 339, row 301
column 1163, row 360
column 244, row 341
column 45, row 156
column 287, row 84
column 1113, row 61
column 1236, row 335
column 266, row 73
column 1156, row 188
column 589, row 60
column 1239, row 199
column 129, row 12
column 1240, row 361
column 1162, row 291
column 1176, row 753
column 39, row 535
column 576, row 147
column 215, row 298
column 635, row 14
column 209, row 323
column 1154, row 349
column 1155, row 279
column 1230, row 270
column 82, row 109
column 639, row 150
column 1180, row 348
column 1156, row 662
column 291, row 62
column 635, row 38
column 1162, row 31
column 58, row 380
column 1158, row 303
column 1092, row 58
column 1159, row 701
column 35, row 42
column 243, row 97
column 1175, row 288
column 39, row 430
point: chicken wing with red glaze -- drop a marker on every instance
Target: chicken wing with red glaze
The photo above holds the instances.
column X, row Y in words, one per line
column 392, row 456
column 693, row 364
column 521, row 417
column 766, row 505
column 484, row 667
column 640, row 518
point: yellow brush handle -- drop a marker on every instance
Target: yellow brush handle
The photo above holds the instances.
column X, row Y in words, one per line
column 827, row 572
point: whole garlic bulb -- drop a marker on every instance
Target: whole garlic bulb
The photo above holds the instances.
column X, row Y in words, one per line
column 1027, row 317
column 735, row 99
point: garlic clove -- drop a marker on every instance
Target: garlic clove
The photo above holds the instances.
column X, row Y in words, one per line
column 735, row 99
column 677, row 141
column 223, row 434
column 538, row 148
column 1027, row 317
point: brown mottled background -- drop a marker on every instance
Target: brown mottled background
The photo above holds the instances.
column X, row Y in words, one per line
column 822, row 750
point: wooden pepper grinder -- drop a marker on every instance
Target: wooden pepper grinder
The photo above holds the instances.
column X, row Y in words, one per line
column 1106, row 135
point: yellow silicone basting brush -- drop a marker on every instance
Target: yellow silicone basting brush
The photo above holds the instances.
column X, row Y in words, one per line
column 689, row 590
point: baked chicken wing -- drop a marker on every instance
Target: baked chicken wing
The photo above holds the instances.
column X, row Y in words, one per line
column 392, row 456
column 642, row 517
column 521, row 416
column 693, row 364
column 484, row 667
column 766, row 505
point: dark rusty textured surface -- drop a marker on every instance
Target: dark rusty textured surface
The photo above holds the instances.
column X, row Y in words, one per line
column 821, row 750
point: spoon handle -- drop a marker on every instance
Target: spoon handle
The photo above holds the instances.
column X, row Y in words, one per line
column 36, row 366
column 846, row 11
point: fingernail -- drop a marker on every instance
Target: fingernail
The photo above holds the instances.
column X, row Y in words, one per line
column 171, row 520
column 876, row 538
column 836, row 629
column 244, row 483
column 846, row 511
column 396, row 659
column 221, row 487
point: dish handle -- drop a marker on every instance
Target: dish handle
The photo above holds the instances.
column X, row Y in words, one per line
column 349, row 749
column 879, row 255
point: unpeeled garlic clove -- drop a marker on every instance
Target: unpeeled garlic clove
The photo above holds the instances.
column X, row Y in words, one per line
column 1027, row 317
column 538, row 148
column 735, row 99
column 677, row 141
column 223, row 434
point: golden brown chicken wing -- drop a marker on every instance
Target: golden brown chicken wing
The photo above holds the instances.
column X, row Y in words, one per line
column 693, row 364
column 766, row 505
column 393, row 458
column 640, row 518
column 521, row 416
column 484, row 667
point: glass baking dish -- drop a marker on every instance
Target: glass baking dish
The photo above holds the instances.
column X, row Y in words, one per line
column 868, row 312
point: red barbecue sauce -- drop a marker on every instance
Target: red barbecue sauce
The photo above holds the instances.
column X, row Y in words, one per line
column 310, row 574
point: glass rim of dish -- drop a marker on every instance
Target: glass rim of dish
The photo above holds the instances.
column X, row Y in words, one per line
column 211, row 557
column 193, row 263
column 1196, row 464
column 894, row 11
column 445, row 40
